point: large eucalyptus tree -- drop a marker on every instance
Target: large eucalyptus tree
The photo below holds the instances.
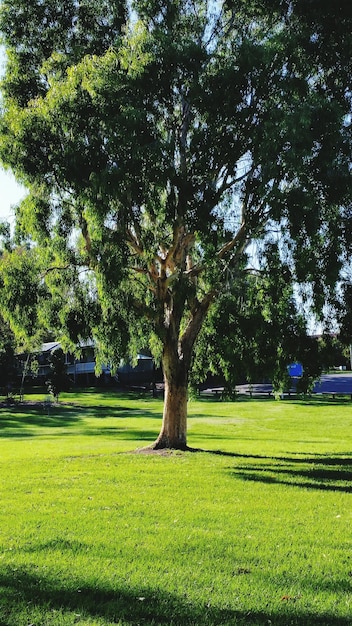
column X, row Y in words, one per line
column 159, row 139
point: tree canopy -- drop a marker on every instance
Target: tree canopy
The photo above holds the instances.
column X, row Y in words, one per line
column 159, row 140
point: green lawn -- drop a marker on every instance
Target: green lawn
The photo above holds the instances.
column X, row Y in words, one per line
column 256, row 530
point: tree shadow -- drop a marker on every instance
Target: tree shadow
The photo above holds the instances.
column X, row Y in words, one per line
column 300, row 399
column 329, row 473
column 134, row 606
column 30, row 420
column 16, row 419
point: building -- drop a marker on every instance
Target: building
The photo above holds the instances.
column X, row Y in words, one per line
column 81, row 371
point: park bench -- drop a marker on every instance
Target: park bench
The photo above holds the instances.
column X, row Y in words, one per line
column 335, row 394
column 218, row 392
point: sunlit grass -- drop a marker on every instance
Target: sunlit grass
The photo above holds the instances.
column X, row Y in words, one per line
column 257, row 530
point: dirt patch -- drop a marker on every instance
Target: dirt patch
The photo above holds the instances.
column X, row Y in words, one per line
column 152, row 451
column 149, row 450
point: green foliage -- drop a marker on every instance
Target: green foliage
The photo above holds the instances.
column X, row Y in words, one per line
column 345, row 312
column 57, row 32
column 7, row 355
column 20, row 292
column 255, row 330
column 157, row 144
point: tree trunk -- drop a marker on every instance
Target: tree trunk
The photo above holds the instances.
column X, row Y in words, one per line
column 173, row 432
column 176, row 362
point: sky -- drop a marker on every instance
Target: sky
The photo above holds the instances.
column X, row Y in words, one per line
column 10, row 191
column 10, row 194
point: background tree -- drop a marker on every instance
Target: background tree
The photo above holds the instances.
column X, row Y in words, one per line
column 257, row 328
column 57, row 380
column 171, row 137
column 254, row 331
column 7, row 358
column 21, row 293
column 318, row 354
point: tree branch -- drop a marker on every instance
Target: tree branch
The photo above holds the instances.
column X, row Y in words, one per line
column 239, row 238
column 133, row 242
column 55, row 268
column 194, row 325
column 234, row 181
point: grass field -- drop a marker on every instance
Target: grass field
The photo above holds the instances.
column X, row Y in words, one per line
column 255, row 530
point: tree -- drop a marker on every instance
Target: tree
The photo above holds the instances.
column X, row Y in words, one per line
column 57, row 379
column 158, row 140
column 18, row 303
column 256, row 330
column 7, row 357
column 253, row 332
column 317, row 354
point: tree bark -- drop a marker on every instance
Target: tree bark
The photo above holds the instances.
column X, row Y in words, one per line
column 176, row 362
column 173, row 433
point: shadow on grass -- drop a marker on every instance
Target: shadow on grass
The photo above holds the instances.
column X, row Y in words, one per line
column 314, row 400
column 330, row 473
column 31, row 420
column 135, row 606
